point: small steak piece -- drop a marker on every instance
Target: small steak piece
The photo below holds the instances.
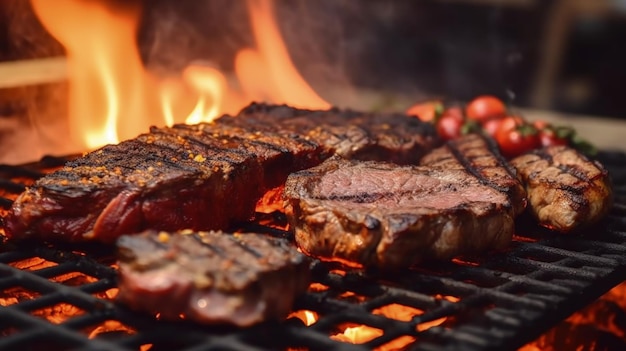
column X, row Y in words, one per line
column 565, row 189
column 211, row 277
column 481, row 157
column 385, row 215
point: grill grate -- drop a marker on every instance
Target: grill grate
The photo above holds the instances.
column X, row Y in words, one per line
column 61, row 298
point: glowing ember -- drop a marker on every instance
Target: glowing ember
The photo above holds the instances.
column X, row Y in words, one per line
column 113, row 97
column 358, row 335
column 110, row 326
column 318, row 287
column 58, row 313
column 33, row 264
column 596, row 327
column 398, row 312
column 16, row 295
column 74, row 279
column 306, row 316
column 271, row 201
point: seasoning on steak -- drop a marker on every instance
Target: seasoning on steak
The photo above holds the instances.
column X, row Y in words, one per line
column 203, row 176
column 211, row 277
column 565, row 189
column 354, row 135
column 385, row 215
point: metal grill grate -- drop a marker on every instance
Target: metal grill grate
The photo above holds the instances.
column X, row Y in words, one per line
column 59, row 298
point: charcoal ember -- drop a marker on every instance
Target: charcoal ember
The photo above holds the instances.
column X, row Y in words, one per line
column 205, row 176
column 566, row 190
column 211, row 277
column 380, row 214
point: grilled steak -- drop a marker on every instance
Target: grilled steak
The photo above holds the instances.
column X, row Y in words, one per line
column 353, row 135
column 385, row 215
column 211, row 277
column 169, row 179
column 203, row 176
column 565, row 189
column 481, row 157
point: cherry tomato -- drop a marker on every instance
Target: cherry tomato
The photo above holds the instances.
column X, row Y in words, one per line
column 426, row 111
column 515, row 137
column 549, row 138
column 449, row 126
column 491, row 126
column 456, row 111
column 550, row 135
column 541, row 124
column 484, row 108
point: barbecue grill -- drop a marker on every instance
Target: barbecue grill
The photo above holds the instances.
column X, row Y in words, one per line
column 59, row 297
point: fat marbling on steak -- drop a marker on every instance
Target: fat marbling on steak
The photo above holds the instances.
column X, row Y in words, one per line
column 384, row 215
column 211, row 277
column 203, row 176
column 566, row 190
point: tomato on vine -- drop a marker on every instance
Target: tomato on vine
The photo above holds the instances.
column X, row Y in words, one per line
column 484, row 108
column 515, row 137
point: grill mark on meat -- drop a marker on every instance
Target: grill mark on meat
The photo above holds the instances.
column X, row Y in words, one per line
column 478, row 155
column 214, row 150
column 158, row 180
column 245, row 247
column 174, row 273
column 218, row 250
column 158, row 242
column 417, row 213
column 469, row 165
column 360, row 198
column 566, row 190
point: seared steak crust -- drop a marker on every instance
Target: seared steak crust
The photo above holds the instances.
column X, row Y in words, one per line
column 351, row 134
column 565, row 189
column 168, row 179
column 211, row 277
column 479, row 155
column 202, row 176
column 389, row 216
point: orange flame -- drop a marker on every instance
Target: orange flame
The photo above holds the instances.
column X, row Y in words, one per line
column 113, row 97
column 107, row 80
column 362, row 333
column 268, row 72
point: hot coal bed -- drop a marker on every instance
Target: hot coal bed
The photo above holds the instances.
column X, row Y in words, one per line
column 59, row 297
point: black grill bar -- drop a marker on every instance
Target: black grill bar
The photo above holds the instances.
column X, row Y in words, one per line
column 62, row 297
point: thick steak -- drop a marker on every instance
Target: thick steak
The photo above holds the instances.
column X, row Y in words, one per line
column 389, row 216
column 565, row 189
column 211, row 277
column 354, row 135
column 203, row 176
column 168, row 179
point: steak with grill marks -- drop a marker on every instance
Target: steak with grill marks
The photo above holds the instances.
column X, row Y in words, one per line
column 565, row 189
column 389, row 216
column 203, row 176
column 480, row 156
column 211, row 277
column 354, row 135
